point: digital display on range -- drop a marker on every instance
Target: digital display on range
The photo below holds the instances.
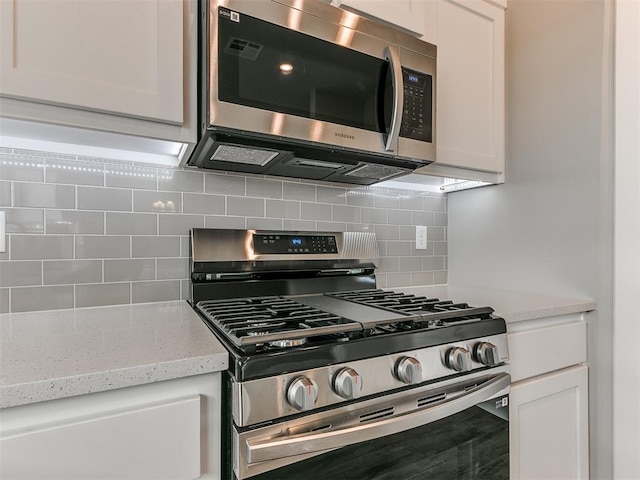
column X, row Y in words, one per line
column 294, row 244
column 296, row 241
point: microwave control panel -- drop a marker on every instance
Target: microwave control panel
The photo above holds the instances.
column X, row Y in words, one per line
column 416, row 112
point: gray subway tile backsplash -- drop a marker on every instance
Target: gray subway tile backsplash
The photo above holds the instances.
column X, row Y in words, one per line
column 5, row 193
column 334, row 195
column 129, row 270
column 39, row 247
column 44, row 195
column 141, row 177
column 262, row 188
column 174, row 180
column 154, row 247
column 245, row 207
column 4, row 300
column 225, row 184
column 284, row 209
column 264, row 223
column 157, row 202
column 179, row 224
column 315, row 211
column 74, row 172
column 341, row 213
column 26, row 299
column 158, row 291
column 299, row 191
column 74, row 221
column 102, row 294
column 22, row 168
column 20, row 274
column 203, row 203
column 87, row 232
column 121, row 223
column 104, row 199
column 65, row 272
column 112, row 246
column 25, row 220
column 173, row 268
column 224, row 221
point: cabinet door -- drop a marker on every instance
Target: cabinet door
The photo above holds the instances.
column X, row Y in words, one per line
column 470, row 84
column 548, row 418
column 100, row 55
column 406, row 14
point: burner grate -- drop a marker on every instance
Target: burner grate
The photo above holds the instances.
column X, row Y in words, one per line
column 274, row 321
column 432, row 312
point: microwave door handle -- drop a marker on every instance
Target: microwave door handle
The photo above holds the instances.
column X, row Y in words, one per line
column 391, row 54
column 260, row 450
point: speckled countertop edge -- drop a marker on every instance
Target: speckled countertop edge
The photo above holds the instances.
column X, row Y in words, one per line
column 65, row 353
column 512, row 306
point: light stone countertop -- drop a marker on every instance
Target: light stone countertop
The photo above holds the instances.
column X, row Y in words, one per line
column 64, row 353
column 512, row 306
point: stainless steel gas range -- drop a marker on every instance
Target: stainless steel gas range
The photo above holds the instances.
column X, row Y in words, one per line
column 333, row 377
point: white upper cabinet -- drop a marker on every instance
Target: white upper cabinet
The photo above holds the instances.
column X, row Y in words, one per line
column 98, row 63
column 470, row 109
column 470, row 84
column 406, row 14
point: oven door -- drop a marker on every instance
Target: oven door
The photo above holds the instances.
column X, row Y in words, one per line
column 453, row 429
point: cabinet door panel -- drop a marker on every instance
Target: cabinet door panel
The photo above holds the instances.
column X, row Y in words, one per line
column 103, row 55
column 470, row 108
column 549, row 426
column 407, row 14
column 159, row 441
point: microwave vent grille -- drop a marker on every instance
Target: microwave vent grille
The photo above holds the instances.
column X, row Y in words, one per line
column 246, row 156
column 376, row 171
column 243, row 48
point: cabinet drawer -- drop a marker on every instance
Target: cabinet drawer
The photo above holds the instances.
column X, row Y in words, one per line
column 537, row 351
column 158, row 440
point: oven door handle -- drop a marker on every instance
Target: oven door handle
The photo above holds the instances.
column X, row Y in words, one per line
column 261, row 450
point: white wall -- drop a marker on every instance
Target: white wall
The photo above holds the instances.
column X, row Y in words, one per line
column 627, row 243
column 549, row 229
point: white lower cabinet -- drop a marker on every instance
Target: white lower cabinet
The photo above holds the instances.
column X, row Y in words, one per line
column 167, row 430
column 548, row 414
column 549, row 424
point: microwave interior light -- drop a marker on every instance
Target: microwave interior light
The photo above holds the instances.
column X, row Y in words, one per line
column 286, row 68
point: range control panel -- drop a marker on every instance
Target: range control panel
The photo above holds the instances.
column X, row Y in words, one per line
column 417, row 108
column 264, row 244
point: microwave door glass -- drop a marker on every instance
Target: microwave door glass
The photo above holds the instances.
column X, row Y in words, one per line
column 273, row 68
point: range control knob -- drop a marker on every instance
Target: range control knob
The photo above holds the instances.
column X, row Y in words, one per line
column 302, row 393
column 409, row 370
column 486, row 353
column 458, row 359
column 347, row 383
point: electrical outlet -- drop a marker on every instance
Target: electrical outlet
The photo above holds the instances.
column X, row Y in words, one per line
column 421, row 237
column 3, row 232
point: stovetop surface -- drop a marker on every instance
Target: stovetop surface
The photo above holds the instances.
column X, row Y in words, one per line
column 271, row 333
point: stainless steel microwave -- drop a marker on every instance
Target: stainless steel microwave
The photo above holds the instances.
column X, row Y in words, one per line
column 299, row 88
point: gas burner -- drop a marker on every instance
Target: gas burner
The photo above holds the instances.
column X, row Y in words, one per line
column 289, row 343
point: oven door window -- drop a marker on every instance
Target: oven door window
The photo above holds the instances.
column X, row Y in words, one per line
column 472, row 444
column 273, row 68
